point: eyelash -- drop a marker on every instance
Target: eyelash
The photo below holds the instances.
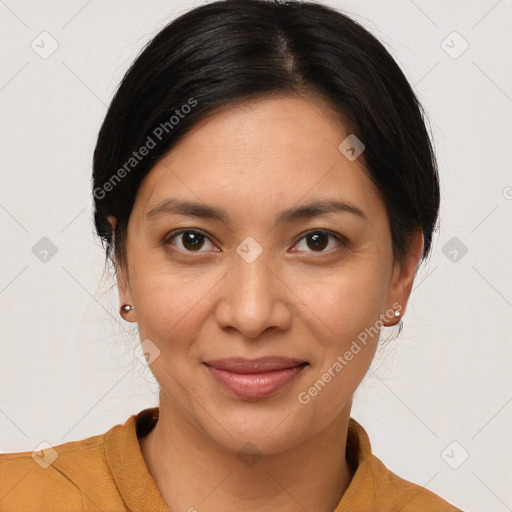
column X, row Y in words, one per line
column 342, row 240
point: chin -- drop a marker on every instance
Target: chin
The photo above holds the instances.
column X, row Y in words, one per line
column 267, row 432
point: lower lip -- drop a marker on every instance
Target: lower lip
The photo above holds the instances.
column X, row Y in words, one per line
column 255, row 385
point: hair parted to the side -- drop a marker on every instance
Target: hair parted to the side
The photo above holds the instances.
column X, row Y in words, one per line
column 230, row 51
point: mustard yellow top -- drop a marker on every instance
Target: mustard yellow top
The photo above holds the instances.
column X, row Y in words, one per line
column 107, row 473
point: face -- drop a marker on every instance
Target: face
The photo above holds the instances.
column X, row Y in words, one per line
column 251, row 273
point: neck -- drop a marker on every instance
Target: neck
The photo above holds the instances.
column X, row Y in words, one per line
column 194, row 473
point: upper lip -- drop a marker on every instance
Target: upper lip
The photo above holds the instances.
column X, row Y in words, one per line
column 260, row 365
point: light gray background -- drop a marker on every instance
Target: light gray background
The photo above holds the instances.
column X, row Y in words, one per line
column 68, row 368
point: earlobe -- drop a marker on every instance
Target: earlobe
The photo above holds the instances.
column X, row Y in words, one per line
column 126, row 309
column 403, row 278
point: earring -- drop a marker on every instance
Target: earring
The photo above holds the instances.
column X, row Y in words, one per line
column 396, row 315
column 126, row 308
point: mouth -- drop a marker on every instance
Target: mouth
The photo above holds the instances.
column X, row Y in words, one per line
column 254, row 379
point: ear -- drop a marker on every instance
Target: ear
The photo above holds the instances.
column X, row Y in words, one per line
column 403, row 277
column 123, row 282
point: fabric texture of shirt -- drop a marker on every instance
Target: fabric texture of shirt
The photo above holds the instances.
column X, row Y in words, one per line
column 108, row 473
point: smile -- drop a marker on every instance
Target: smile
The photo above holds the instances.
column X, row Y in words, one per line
column 255, row 379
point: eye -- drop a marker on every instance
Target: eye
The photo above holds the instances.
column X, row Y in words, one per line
column 318, row 240
column 190, row 240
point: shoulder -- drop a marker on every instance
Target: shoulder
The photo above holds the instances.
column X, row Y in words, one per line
column 56, row 478
column 375, row 487
column 404, row 495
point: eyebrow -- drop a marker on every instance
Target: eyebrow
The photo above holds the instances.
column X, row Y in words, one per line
column 294, row 214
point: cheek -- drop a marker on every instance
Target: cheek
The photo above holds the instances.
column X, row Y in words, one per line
column 345, row 301
column 348, row 307
column 171, row 304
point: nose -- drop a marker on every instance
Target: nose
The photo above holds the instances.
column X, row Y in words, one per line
column 254, row 299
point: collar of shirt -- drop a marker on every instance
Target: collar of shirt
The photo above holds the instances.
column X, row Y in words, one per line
column 139, row 491
column 373, row 487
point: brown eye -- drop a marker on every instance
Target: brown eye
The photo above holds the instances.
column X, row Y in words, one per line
column 317, row 241
column 188, row 240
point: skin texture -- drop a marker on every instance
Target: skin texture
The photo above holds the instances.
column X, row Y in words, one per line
column 254, row 160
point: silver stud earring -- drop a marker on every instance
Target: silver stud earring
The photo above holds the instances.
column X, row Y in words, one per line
column 126, row 308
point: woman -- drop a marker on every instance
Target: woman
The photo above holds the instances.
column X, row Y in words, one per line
column 266, row 189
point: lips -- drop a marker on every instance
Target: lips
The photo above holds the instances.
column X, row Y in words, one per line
column 254, row 379
column 261, row 365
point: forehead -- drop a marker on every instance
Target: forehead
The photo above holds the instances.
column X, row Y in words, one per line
column 261, row 156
